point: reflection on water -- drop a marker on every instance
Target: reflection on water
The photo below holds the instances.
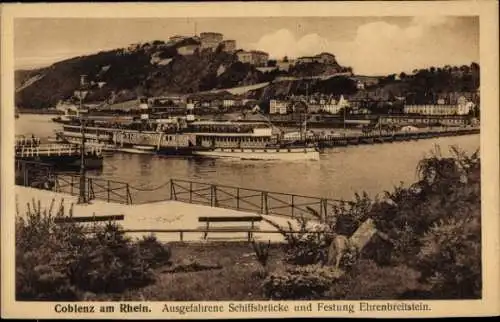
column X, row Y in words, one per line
column 339, row 173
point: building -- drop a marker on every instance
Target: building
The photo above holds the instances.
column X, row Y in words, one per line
column 326, row 58
column 228, row 102
column 188, row 49
column 284, row 65
column 305, row 60
column 229, row 46
column 278, row 107
column 210, row 40
column 462, row 107
column 360, row 85
column 431, row 109
column 333, row 107
column 323, row 58
column 244, row 56
column 425, row 120
column 176, row 38
column 254, row 57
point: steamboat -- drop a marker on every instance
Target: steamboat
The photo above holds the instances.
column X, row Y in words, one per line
column 210, row 139
column 149, row 131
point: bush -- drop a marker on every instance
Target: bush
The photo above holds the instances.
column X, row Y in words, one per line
column 154, row 252
column 367, row 280
column 300, row 282
column 110, row 262
column 450, row 258
column 307, row 246
column 63, row 261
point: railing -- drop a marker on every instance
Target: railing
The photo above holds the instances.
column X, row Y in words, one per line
column 26, row 141
column 244, row 199
column 249, row 232
column 53, row 150
column 95, row 188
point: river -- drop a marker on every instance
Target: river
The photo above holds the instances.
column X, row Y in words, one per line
column 339, row 174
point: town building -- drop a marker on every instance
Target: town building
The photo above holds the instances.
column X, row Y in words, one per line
column 425, row 120
column 284, row 65
column 323, row 58
column 188, row 49
column 228, row 102
column 229, row 46
column 462, row 107
column 431, row 109
column 244, row 56
column 254, row 57
column 333, row 107
column 278, row 107
column 210, row 40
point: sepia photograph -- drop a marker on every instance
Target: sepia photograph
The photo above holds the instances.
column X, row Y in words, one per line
column 251, row 159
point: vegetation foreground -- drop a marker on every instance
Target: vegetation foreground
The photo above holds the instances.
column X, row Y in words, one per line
column 431, row 249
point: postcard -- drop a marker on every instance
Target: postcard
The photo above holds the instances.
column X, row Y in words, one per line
column 250, row 160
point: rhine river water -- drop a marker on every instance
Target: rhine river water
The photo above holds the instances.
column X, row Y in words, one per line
column 339, row 174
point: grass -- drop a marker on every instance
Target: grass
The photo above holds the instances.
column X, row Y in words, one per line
column 238, row 279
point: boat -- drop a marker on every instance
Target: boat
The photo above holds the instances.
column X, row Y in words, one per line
column 187, row 136
column 280, row 153
column 247, row 141
column 138, row 149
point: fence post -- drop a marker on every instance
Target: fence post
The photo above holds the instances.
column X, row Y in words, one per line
column 190, row 192
column 72, row 183
column 213, row 196
column 323, row 208
column 25, row 175
column 108, row 190
column 128, row 194
column 293, row 206
column 238, row 198
column 90, row 190
column 173, row 194
column 263, row 203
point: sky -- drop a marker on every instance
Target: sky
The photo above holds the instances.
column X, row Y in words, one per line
column 370, row 45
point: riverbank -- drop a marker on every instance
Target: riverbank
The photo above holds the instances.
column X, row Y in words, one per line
column 399, row 257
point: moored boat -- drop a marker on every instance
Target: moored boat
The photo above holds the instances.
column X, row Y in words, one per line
column 283, row 154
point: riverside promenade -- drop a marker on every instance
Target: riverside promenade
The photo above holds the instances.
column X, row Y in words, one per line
column 163, row 215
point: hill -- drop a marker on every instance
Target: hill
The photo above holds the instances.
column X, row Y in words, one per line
column 151, row 69
column 156, row 69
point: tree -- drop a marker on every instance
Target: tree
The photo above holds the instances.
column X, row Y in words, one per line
column 285, row 59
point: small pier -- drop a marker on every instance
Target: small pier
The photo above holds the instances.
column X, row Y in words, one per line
column 63, row 156
column 47, row 150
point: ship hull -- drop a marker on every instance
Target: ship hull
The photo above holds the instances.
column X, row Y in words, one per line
column 295, row 154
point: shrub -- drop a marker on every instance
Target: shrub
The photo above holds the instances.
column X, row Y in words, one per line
column 154, row 252
column 450, row 258
column 41, row 251
column 110, row 262
column 62, row 261
column 300, row 282
column 367, row 280
column 261, row 252
column 306, row 246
